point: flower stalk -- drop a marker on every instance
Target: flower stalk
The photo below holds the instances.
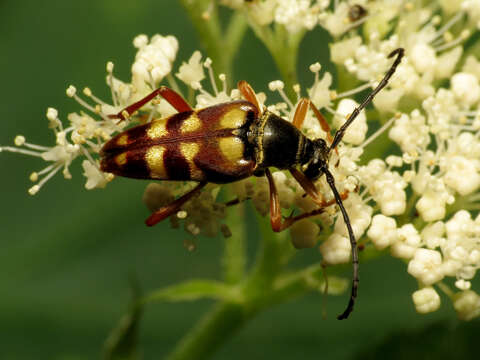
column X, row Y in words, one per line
column 221, row 44
column 283, row 47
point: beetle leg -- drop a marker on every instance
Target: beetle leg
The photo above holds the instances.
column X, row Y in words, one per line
column 174, row 206
column 248, row 93
column 323, row 122
column 173, row 98
column 308, row 186
column 275, row 212
column 301, row 113
column 293, row 219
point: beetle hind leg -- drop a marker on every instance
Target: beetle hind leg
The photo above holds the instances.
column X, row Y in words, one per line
column 172, row 97
column 174, row 206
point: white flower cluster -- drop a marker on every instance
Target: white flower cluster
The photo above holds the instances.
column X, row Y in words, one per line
column 439, row 164
column 295, row 15
column 340, row 17
column 88, row 130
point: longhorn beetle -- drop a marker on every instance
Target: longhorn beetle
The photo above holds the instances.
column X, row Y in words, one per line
column 232, row 141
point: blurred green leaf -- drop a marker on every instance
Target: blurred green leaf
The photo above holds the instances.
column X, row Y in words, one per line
column 194, row 290
column 122, row 344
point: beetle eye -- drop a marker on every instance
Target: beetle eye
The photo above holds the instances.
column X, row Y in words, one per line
column 313, row 170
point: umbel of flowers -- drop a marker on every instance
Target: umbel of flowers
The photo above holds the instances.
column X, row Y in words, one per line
column 418, row 202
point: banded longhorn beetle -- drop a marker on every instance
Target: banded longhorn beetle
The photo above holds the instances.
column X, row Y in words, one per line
column 231, row 141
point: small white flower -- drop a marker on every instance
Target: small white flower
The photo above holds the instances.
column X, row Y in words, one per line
column 335, row 22
column 433, row 235
column 52, row 116
column 95, row 177
column 383, row 231
column 442, row 109
column 262, row 12
column 319, row 93
column 462, row 284
column 153, row 60
column 295, row 14
column 467, row 305
column 423, row 57
column 19, row 140
column 462, row 174
column 360, row 215
column 336, row 249
column 193, row 70
column 410, row 132
column 387, row 100
column 426, row 300
column 372, row 171
column 431, row 207
column 408, row 241
column 426, row 266
column 447, row 62
column 71, row 90
column 388, row 192
column 466, row 88
column 342, row 50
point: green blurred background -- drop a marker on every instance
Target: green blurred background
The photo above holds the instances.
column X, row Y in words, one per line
column 66, row 255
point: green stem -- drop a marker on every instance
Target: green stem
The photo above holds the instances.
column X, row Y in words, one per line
column 221, row 45
column 226, row 317
column 234, row 254
column 283, row 46
column 212, row 331
column 285, row 55
column 275, row 252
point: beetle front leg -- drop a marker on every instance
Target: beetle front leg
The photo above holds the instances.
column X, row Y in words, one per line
column 323, row 122
column 308, row 186
column 248, row 93
column 172, row 97
column 301, row 114
column 173, row 207
column 275, row 212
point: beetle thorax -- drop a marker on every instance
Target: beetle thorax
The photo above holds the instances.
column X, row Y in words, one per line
column 277, row 142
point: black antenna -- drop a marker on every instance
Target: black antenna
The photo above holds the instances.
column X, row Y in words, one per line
column 331, row 181
column 400, row 52
column 353, row 243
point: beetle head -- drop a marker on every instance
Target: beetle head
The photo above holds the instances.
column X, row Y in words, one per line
column 318, row 159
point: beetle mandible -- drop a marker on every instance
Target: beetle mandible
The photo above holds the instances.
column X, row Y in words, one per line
column 229, row 142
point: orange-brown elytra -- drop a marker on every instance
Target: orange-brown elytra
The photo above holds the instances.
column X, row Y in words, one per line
column 228, row 142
